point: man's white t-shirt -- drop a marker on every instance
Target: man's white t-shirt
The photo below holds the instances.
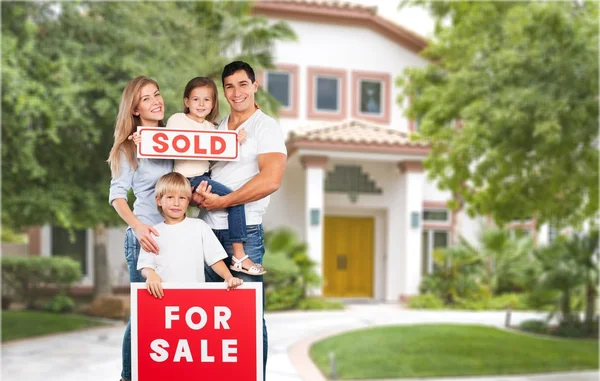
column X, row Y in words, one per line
column 189, row 168
column 263, row 135
column 184, row 248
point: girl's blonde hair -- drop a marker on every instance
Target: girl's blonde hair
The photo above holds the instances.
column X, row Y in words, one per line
column 203, row 82
column 172, row 182
column 127, row 124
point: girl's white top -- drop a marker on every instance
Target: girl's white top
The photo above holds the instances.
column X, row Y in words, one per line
column 189, row 168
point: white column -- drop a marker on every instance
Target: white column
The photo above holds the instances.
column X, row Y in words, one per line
column 314, row 211
column 413, row 180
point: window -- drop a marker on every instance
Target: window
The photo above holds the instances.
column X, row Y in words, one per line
column 435, row 215
column 278, row 85
column 371, row 94
column 326, row 94
column 370, row 97
column 431, row 240
column 327, row 91
column 282, row 84
column 74, row 247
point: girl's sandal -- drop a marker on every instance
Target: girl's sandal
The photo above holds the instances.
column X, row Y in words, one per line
column 255, row 269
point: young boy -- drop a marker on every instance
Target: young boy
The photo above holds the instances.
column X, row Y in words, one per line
column 185, row 243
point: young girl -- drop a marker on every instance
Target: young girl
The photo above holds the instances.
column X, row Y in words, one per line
column 141, row 105
column 200, row 111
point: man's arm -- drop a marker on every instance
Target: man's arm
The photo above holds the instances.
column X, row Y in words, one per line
column 271, row 168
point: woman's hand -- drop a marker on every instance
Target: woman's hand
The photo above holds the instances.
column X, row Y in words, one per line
column 144, row 233
column 137, row 138
column 154, row 285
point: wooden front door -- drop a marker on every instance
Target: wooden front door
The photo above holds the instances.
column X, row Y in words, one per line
column 348, row 257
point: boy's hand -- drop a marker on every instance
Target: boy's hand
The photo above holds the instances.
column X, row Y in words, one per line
column 137, row 138
column 233, row 282
column 154, row 285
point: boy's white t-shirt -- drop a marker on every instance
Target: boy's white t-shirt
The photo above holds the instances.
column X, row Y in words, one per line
column 184, row 248
column 263, row 135
column 189, row 168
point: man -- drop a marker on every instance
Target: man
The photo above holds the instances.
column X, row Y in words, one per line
column 257, row 174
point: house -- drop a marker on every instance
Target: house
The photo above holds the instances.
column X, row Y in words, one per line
column 355, row 189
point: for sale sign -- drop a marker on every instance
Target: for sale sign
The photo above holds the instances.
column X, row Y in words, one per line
column 163, row 143
column 197, row 331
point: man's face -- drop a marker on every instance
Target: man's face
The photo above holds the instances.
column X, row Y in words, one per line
column 239, row 91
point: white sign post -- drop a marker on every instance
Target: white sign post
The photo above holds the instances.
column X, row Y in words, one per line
column 162, row 143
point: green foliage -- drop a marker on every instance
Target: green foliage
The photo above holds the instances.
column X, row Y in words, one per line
column 507, row 259
column 25, row 277
column 426, row 301
column 290, row 271
column 60, row 303
column 458, row 274
column 321, row 304
column 509, row 106
column 567, row 272
column 11, row 236
column 535, row 326
column 64, row 66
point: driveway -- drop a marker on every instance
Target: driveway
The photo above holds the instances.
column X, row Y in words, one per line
column 94, row 354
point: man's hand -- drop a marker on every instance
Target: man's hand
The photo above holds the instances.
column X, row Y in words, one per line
column 154, row 285
column 206, row 199
column 144, row 233
column 233, row 282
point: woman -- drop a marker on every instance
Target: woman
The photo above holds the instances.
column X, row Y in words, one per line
column 141, row 105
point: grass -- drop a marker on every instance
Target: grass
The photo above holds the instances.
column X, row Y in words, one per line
column 449, row 350
column 22, row 324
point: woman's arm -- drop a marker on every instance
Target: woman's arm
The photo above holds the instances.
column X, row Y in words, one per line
column 142, row 231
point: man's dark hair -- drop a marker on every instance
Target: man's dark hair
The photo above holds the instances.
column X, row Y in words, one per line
column 231, row 68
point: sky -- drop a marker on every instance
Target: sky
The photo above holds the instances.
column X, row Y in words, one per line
column 415, row 19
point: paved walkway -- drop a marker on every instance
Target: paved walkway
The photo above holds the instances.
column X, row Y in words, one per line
column 94, row 354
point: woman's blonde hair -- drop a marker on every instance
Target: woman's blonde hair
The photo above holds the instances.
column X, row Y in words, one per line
column 172, row 182
column 127, row 124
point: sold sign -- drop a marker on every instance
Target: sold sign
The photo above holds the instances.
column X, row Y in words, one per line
column 162, row 143
column 197, row 331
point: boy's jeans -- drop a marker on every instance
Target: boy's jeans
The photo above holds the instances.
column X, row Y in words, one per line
column 255, row 249
column 236, row 214
column 132, row 252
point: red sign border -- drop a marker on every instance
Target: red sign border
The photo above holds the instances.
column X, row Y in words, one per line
column 140, row 154
column 256, row 286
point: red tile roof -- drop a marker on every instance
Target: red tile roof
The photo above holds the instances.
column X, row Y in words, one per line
column 355, row 135
column 341, row 13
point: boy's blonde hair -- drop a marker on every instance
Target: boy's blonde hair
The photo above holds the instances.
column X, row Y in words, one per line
column 172, row 182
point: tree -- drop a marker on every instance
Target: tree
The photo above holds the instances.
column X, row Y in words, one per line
column 64, row 66
column 509, row 106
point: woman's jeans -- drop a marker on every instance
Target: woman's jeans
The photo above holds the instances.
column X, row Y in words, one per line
column 132, row 252
column 255, row 249
column 236, row 214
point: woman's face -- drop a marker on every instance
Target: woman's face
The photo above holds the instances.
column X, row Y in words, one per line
column 150, row 107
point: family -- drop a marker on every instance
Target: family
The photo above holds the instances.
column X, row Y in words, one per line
column 161, row 243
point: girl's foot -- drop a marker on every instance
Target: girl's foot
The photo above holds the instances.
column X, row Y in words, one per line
column 245, row 265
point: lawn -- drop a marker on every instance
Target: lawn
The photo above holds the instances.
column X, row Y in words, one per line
column 449, row 350
column 21, row 324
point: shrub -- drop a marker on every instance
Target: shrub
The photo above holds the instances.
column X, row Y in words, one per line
column 60, row 303
column 320, row 304
column 513, row 300
column 426, row 301
column 535, row 326
column 25, row 277
column 290, row 273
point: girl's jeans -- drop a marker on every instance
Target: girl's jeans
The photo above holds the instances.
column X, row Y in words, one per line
column 255, row 249
column 236, row 214
column 132, row 252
